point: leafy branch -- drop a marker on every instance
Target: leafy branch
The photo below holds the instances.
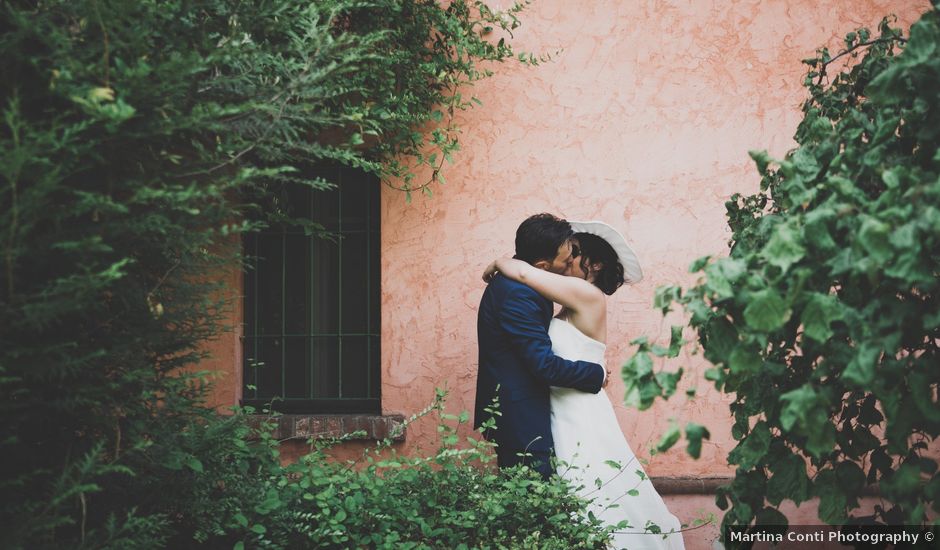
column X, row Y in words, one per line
column 821, row 322
column 824, row 64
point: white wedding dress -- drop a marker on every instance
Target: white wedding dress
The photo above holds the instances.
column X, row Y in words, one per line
column 589, row 446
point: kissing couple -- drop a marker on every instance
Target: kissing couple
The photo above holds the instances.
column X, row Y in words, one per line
column 548, row 372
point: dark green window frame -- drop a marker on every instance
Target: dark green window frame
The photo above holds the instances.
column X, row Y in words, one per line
column 312, row 315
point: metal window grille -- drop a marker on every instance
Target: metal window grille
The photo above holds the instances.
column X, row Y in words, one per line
column 312, row 320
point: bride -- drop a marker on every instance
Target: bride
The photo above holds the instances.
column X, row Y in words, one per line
column 591, row 450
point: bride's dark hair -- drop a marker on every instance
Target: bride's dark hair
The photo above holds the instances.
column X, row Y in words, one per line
column 596, row 250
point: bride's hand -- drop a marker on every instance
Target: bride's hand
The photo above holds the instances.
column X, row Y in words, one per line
column 490, row 272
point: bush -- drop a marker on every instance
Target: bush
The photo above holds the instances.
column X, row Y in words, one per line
column 823, row 321
column 453, row 498
column 139, row 139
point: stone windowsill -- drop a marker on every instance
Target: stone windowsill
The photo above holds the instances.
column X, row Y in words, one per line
column 323, row 426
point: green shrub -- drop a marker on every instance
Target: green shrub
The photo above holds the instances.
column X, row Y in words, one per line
column 137, row 139
column 823, row 322
column 453, row 498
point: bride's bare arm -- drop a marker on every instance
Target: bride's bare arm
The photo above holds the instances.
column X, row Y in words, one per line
column 573, row 293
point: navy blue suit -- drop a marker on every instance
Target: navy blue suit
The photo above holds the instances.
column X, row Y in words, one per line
column 516, row 354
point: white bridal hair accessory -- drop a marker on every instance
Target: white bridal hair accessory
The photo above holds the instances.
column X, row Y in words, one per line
column 632, row 273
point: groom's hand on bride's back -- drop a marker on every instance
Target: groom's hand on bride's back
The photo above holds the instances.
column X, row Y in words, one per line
column 606, row 378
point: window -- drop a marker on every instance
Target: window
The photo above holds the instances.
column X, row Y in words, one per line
column 312, row 320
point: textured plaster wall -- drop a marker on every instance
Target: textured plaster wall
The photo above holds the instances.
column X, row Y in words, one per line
column 643, row 120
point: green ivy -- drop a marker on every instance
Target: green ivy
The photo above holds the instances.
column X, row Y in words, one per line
column 823, row 322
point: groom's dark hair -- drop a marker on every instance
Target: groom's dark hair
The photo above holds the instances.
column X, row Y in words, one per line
column 539, row 237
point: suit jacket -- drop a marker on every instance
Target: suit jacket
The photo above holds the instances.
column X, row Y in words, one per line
column 516, row 354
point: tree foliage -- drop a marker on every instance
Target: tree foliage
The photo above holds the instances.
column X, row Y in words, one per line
column 824, row 321
column 139, row 140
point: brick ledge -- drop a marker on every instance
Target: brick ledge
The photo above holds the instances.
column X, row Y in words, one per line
column 322, row 426
column 689, row 485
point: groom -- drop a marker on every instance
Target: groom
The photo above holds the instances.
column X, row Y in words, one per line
column 516, row 352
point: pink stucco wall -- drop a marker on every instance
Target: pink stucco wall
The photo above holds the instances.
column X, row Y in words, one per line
column 643, row 120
